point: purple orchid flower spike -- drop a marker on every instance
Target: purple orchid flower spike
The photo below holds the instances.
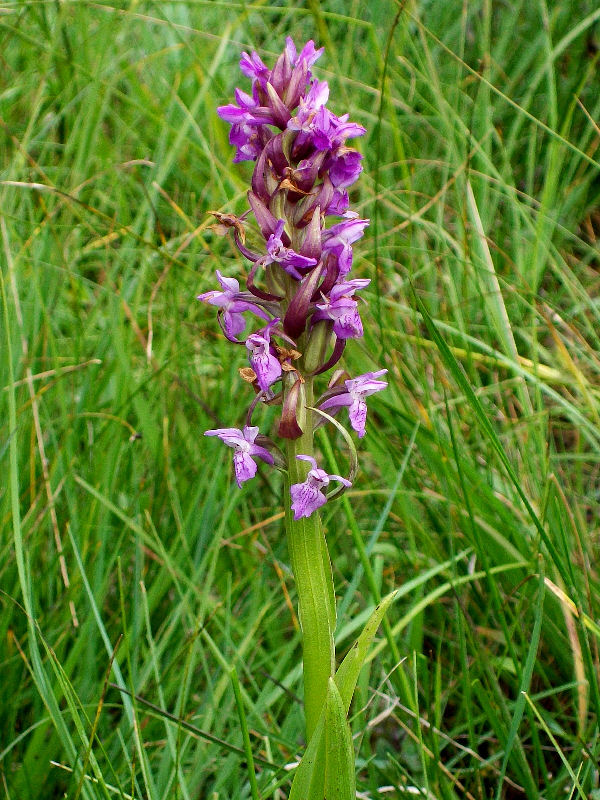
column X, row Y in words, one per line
column 354, row 398
column 245, row 450
column 232, row 303
column 266, row 365
column 308, row 496
column 299, row 281
column 285, row 256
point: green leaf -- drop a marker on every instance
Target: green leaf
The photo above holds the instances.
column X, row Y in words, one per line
column 331, row 743
column 340, row 782
column 512, row 737
column 349, row 670
column 327, row 767
column 309, row 780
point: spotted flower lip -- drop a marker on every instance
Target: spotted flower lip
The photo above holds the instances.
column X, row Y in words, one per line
column 233, row 304
column 347, row 323
column 353, row 397
column 245, row 450
column 339, row 203
column 246, row 140
column 308, row 496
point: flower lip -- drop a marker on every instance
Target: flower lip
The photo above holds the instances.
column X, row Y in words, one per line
column 345, row 167
column 308, row 496
column 339, row 239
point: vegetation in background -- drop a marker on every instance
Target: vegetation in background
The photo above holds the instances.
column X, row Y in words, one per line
column 128, row 558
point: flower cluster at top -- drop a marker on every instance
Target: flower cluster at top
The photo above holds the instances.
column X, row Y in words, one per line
column 298, row 287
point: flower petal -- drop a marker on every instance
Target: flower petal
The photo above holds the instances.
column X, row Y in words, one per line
column 310, row 460
column 357, row 413
column 306, row 499
column 244, row 467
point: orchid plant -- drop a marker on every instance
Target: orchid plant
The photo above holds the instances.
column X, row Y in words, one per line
column 299, row 293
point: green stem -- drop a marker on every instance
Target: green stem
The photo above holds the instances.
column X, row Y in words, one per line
column 314, row 581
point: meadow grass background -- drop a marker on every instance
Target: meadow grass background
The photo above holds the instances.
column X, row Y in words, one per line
column 127, row 554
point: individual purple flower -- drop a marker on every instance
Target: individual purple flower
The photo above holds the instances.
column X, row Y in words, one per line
column 338, row 206
column 305, row 174
column 342, row 308
column 313, row 100
column 344, row 166
column 288, row 258
column 308, row 53
column 266, row 365
column 253, row 67
column 247, row 141
column 248, row 111
column 233, row 303
column 339, row 238
column 328, row 131
column 245, row 450
column 308, row 496
column 354, row 398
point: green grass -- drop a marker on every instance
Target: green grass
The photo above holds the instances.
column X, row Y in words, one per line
column 128, row 556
